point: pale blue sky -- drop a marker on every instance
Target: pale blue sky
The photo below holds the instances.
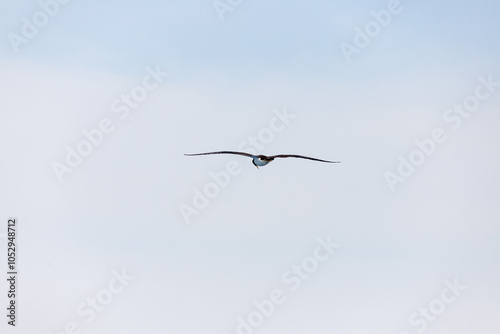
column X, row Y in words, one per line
column 260, row 39
column 228, row 80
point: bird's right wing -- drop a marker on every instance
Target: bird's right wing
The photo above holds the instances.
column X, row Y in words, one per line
column 223, row 152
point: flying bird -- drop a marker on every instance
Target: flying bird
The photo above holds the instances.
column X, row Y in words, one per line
column 262, row 160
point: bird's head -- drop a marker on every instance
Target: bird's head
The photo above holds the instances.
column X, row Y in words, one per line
column 253, row 161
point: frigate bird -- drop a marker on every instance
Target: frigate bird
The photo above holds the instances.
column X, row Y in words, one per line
column 262, row 160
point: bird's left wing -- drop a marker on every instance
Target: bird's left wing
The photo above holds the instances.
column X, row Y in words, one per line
column 302, row 157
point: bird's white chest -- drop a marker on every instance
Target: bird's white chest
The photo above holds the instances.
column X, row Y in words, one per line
column 259, row 162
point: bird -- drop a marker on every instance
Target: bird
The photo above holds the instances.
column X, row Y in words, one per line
column 262, row 160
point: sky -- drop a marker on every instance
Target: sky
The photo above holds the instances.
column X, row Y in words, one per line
column 118, row 231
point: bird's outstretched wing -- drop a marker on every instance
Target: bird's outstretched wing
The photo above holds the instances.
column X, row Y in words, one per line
column 302, row 157
column 223, row 152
